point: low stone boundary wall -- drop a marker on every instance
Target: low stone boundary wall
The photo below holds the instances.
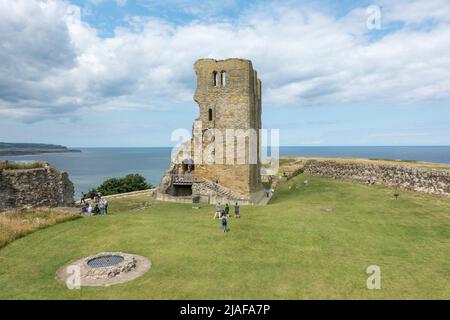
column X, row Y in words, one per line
column 167, row 197
column 146, row 192
column 406, row 177
column 258, row 198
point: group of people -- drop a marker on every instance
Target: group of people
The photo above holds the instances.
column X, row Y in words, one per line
column 223, row 214
column 100, row 205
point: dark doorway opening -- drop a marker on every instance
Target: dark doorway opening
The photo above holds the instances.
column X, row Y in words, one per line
column 182, row 190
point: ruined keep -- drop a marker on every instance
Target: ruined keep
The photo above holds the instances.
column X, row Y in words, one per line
column 39, row 187
column 228, row 94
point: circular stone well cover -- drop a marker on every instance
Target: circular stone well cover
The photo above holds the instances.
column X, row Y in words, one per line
column 105, row 261
column 104, row 269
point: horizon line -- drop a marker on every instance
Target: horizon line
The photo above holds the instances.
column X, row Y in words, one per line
column 287, row 146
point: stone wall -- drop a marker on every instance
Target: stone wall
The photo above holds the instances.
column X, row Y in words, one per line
column 228, row 94
column 41, row 187
column 234, row 104
column 407, row 177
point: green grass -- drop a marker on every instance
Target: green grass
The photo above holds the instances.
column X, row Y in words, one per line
column 290, row 249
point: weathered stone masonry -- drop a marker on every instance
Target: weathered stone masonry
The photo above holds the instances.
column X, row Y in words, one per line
column 406, row 177
column 228, row 94
column 230, row 103
column 40, row 187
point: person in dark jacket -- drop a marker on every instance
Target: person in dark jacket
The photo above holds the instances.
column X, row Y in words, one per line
column 227, row 209
column 224, row 221
column 83, row 198
column 237, row 213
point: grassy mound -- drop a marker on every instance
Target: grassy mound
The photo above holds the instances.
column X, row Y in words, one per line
column 312, row 241
column 15, row 224
column 8, row 165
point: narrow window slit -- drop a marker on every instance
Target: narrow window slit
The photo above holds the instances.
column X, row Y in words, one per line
column 223, row 78
column 215, row 78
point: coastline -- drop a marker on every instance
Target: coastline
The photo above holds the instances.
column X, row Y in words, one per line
column 19, row 152
column 92, row 166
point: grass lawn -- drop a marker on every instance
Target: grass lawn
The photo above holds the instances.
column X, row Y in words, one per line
column 291, row 249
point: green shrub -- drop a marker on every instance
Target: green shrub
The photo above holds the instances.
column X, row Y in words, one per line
column 129, row 183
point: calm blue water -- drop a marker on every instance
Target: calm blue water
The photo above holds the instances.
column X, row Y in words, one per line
column 94, row 165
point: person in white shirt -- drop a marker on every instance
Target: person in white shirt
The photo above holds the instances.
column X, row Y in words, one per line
column 89, row 209
column 218, row 210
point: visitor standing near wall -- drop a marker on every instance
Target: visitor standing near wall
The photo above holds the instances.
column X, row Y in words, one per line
column 216, row 185
column 102, row 208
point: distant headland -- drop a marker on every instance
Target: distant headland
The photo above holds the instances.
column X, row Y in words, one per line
column 18, row 149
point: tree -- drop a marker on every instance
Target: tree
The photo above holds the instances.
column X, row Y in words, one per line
column 129, row 183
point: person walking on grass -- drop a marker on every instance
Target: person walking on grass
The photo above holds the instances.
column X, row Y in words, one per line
column 227, row 209
column 224, row 221
column 218, row 210
column 237, row 214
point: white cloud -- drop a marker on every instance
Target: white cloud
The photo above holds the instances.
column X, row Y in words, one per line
column 53, row 65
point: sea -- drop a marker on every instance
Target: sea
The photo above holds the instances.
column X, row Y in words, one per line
column 90, row 167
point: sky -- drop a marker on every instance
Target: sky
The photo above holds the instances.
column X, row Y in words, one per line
column 119, row 73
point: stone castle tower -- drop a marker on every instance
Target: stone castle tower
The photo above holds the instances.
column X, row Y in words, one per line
column 228, row 93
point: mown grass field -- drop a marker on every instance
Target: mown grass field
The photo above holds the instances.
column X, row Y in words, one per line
column 291, row 249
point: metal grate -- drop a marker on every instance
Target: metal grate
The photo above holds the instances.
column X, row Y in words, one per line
column 105, row 261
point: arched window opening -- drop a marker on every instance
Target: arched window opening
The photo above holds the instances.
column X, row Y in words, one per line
column 210, row 114
column 188, row 166
column 215, row 78
column 223, row 78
